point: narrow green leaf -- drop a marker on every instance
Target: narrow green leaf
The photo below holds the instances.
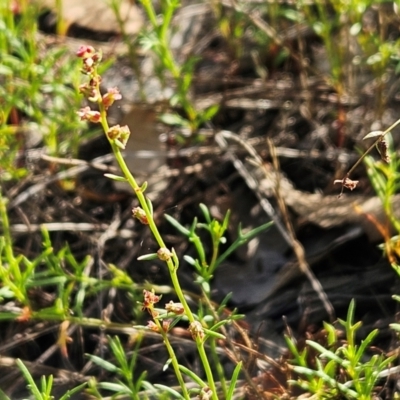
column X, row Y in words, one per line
column 103, row 363
column 147, row 257
column 71, row 392
column 144, row 186
column 115, row 177
column 190, row 260
column 27, row 375
column 3, row 396
column 150, row 205
column 234, row 379
column 193, row 376
column 177, row 225
column 324, row 352
column 174, row 119
column 169, row 390
column 214, row 334
column 119, row 388
column 206, row 212
column 166, row 365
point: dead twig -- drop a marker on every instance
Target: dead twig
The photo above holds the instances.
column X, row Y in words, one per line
column 296, row 245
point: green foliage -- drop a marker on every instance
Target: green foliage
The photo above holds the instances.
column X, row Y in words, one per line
column 205, row 325
column 38, row 90
column 43, row 392
column 60, row 269
column 127, row 383
column 339, row 369
column 216, row 230
column 385, row 178
column 157, row 39
column 342, row 28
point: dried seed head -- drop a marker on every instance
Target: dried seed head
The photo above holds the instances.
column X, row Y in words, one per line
column 176, row 308
column 149, row 299
column 164, row 254
column 140, row 214
column 196, row 330
column 152, row 326
column 347, row 183
column 382, row 147
column 205, row 394
column 120, row 134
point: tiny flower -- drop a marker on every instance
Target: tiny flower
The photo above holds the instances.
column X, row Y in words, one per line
column 140, row 214
column 90, row 59
column 120, row 134
column 165, row 324
column 85, row 51
column 86, row 114
column 176, row 308
column 196, row 330
column 95, row 81
column 111, row 96
column 88, row 66
column 88, row 63
column 87, row 90
column 164, row 254
column 152, row 326
column 347, row 183
column 150, row 298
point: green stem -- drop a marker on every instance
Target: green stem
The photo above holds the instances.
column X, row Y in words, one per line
column 218, row 366
column 173, row 358
column 172, row 266
column 6, row 231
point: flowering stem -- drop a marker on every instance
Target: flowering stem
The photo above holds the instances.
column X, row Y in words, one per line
column 117, row 138
column 171, row 267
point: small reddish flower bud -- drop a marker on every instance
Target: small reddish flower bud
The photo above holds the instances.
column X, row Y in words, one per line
column 196, row 330
column 95, row 81
column 176, row 308
column 165, row 324
column 111, row 96
column 164, row 254
column 140, row 214
column 97, row 57
column 85, row 51
column 86, row 114
column 152, row 326
column 150, row 298
column 15, row 7
column 90, row 58
column 87, row 90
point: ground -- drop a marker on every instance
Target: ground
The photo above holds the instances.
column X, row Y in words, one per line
column 287, row 127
